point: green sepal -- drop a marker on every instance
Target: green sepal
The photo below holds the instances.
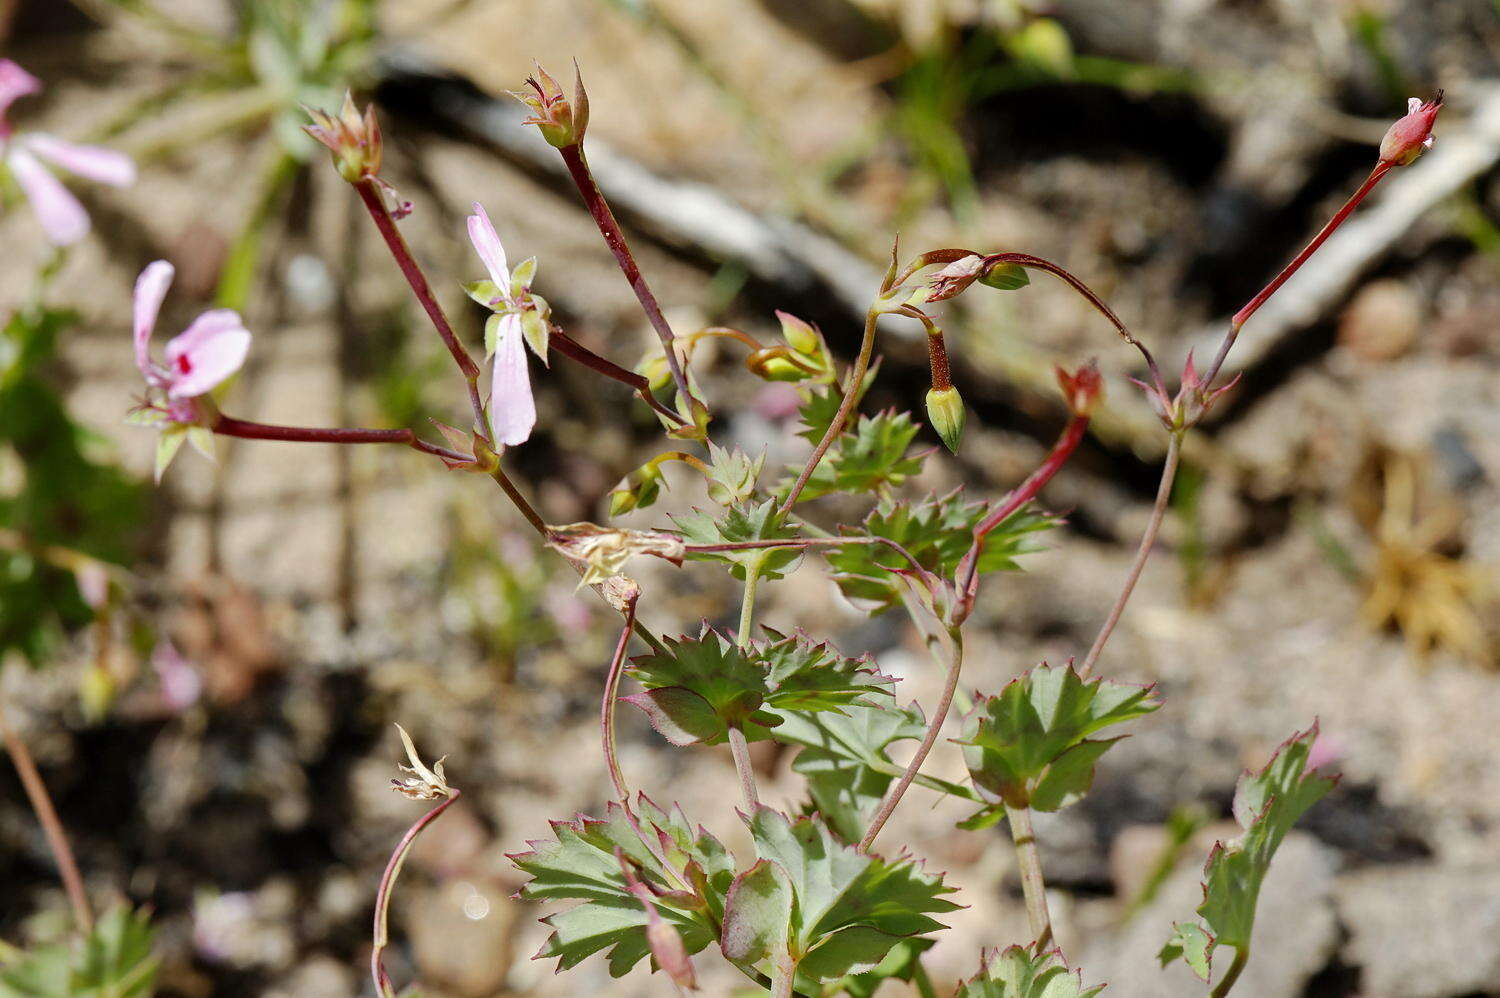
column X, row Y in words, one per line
column 1006, row 277
column 536, row 329
column 486, row 293
column 168, row 443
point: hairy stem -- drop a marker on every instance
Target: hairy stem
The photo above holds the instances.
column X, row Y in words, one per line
column 370, row 194
column 851, row 396
column 246, row 430
column 1142, row 553
column 52, row 827
column 607, row 705
column 1029, row 857
column 740, row 749
column 1241, row 958
column 609, row 228
column 955, row 651
column 1244, row 314
column 783, row 972
column 381, row 935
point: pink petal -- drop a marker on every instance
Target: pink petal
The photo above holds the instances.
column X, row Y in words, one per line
column 62, row 217
column 102, row 165
column 206, row 353
column 487, row 245
column 15, row 82
column 512, row 409
column 150, row 289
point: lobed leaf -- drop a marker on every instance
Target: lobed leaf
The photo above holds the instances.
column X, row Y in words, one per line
column 937, row 532
column 1017, row 972
column 582, row 862
column 872, row 455
column 736, row 523
column 848, row 910
column 1266, row 805
column 697, row 688
column 1030, row 746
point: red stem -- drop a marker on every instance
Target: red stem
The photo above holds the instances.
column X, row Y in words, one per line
column 381, row 932
column 614, row 237
column 573, row 350
column 607, row 707
column 245, row 429
column 1244, row 314
column 412, row 270
column 1072, row 436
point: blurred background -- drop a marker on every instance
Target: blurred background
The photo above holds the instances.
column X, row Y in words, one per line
column 208, row 671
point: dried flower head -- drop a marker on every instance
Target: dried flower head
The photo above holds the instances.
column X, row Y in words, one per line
column 1082, row 388
column 421, row 783
column 603, row 552
column 353, row 138
column 561, row 122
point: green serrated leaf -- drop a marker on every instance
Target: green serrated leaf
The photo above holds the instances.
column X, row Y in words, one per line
column 851, row 909
column 1029, row 746
column 732, row 474
column 900, row 964
column 580, row 863
column 1016, row 972
column 871, row 456
column 1266, row 805
column 742, row 522
column 937, row 532
column 697, row 688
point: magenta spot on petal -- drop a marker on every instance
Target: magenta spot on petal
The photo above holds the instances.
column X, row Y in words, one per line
column 184, row 365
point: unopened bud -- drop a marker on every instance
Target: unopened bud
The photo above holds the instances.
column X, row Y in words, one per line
column 945, row 411
column 955, row 278
column 800, row 335
column 561, row 122
column 655, row 369
column 1082, row 389
column 774, row 364
column 352, row 138
column 1005, row 277
column 1411, row 136
column 637, row 490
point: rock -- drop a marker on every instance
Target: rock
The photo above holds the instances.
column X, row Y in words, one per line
column 462, row 936
column 1295, row 930
column 1422, row 931
column 1382, row 322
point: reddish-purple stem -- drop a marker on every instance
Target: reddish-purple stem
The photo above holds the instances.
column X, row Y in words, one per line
column 575, row 351
column 381, row 933
column 614, row 237
column 1244, row 314
column 1072, row 436
column 245, row 429
column 375, row 203
column 607, row 706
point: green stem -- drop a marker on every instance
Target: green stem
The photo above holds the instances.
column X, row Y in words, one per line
column 851, row 396
column 1241, row 957
column 924, row 984
column 747, row 605
column 1033, row 886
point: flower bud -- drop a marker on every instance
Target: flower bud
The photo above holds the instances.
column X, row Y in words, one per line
column 774, row 364
column 1411, row 136
column 655, row 369
column 352, row 138
column 800, row 335
column 945, row 411
column 955, row 278
column 561, row 122
column 636, row 490
column 1005, row 277
column 1082, row 389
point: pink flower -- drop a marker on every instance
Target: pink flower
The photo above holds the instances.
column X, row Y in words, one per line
column 63, row 218
column 520, row 318
column 200, row 358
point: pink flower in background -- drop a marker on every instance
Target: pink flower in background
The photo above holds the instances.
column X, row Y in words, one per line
column 63, row 218
column 520, row 317
column 206, row 353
